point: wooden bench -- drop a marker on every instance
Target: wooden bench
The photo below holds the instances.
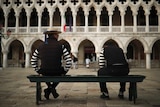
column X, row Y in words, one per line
column 132, row 79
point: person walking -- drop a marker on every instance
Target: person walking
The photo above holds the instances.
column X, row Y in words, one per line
column 112, row 62
column 51, row 53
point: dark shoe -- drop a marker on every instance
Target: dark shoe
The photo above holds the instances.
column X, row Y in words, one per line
column 47, row 93
column 120, row 95
column 104, row 95
column 54, row 93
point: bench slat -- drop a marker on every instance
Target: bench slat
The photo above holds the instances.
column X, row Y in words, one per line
column 86, row 78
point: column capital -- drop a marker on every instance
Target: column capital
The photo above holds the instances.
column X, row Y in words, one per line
column 110, row 13
column 27, row 51
column 5, row 51
column 148, row 52
column 62, row 13
column 122, row 13
column 147, row 12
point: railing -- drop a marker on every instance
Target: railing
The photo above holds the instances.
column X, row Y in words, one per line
column 105, row 29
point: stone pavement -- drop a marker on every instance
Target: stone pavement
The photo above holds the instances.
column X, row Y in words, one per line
column 17, row 91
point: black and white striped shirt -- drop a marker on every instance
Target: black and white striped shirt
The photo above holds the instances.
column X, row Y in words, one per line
column 65, row 54
column 102, row 60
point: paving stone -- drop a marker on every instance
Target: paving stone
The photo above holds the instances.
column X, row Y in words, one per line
column 17, row 91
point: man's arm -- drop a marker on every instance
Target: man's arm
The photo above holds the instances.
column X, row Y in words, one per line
column 102, row 59
column 34, row 60
column 67, row 58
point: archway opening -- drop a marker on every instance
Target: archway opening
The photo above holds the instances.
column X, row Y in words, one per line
column 86, row 50
column 155, row 56
column 135, row 54
column 16, row 54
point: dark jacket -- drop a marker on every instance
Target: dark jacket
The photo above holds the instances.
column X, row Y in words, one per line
column 50, row 54
column 112, row 62
column 114, row 56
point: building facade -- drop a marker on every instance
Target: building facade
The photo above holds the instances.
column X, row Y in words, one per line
column 86, row 25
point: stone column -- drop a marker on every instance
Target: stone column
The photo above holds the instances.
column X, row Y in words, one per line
column 51, row 11
column 5, row 59
column 97, row 54
column 6, row 23
column 51, row 20
column 122, row 21
column 75, row 53
column 110, row 21
column 148, row 60
column 147, row 20
column 17, row 23
column 158, row 21
column 39, row 22
column 27, row 59
column 98, row 21
column 86, row 21
column 62, row 21
column 135, row 21
column 28, row 23
column 74, row 21
column 28, row 20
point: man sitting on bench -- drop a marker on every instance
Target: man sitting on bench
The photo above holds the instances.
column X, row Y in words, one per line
column 112, row 62
column 50, row 54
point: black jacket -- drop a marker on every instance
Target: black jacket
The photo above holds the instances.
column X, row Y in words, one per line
column 114, row 56
column 51, row 54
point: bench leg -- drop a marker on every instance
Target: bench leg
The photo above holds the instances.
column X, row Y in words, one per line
column 133, row 92
column 38, row 92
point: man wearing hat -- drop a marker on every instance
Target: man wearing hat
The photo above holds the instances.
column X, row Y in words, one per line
column 50, row 54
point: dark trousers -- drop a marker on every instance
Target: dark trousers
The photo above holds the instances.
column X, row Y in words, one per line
column 52, row 72
column 113, row 71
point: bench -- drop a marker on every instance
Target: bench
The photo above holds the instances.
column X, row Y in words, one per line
column 132, row 79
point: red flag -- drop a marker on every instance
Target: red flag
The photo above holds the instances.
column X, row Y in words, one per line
column 64, row 26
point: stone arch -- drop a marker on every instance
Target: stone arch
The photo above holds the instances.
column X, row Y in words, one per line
column 119, row 43
column 16, row 54
column 35, row 45
column 155, row 55
column 135, row 53
column 56, row 15
column 153, row 17
column 92, row 16
column 33, row 40
column 103, row 16
column 111, row 41
column 79, row 18
column 153, row 42
column 11, row 18
column 66, row 44
column 69, row 18
column 2, row 19
column 128, row 16
column 34, row 17
column 10, row 41
column 116, row 17
column 22, row 18
column 87, row 38
column 45, row 17
column 141, row 16
column 86, row 49
column 144, row 43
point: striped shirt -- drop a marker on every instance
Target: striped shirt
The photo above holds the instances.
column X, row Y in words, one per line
column 102, row 61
